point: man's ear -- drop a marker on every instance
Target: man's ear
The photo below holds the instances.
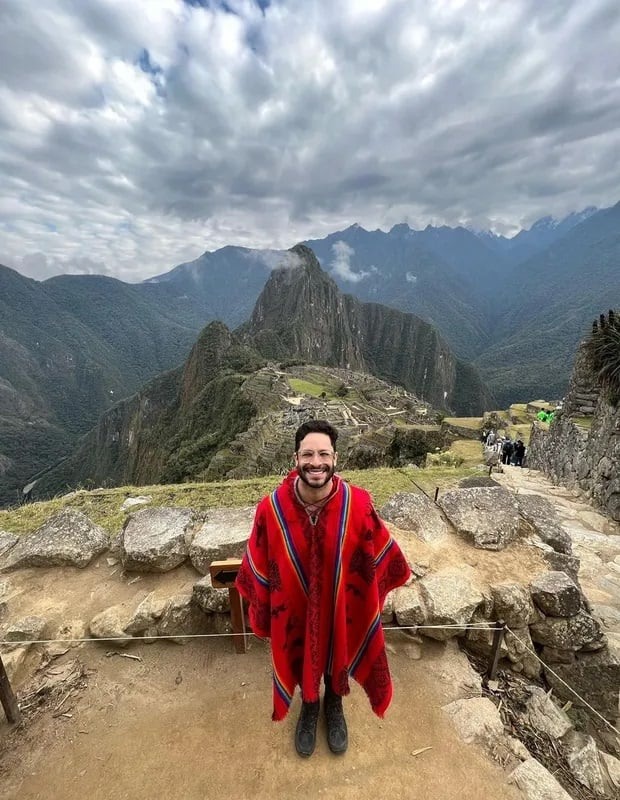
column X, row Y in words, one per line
column 335, row 457
column 295, row 461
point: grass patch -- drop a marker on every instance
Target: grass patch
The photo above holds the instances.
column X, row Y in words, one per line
column 307, row 387
column 469, row 450
column 464, row 422
column 103, row 506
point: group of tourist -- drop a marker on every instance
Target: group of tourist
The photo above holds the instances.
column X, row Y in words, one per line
column 507, row 450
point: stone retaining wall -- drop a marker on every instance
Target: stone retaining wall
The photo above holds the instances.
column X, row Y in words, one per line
column 578, row 456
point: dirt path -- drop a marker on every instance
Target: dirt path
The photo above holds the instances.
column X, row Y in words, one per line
column 194, row 722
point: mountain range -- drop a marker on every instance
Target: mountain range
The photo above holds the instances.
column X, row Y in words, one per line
column 185, row 424
column 71, row 346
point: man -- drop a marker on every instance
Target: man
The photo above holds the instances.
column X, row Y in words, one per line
column 317, row 568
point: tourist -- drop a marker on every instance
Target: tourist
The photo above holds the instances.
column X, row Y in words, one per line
column 507, row 449
column 519, row 453
column 316, row 571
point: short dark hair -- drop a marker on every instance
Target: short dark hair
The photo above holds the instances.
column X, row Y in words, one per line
column 315, row 426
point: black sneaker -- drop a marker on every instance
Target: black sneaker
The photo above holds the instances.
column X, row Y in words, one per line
column 337, row 735
column 305, row 732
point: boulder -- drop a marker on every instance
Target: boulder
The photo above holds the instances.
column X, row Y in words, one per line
column 135, row 502
column 595, row 677
column 487, row 517
column 519, row 650
column 512, row 603
column 68, row 538
column 181, row 618
column 612, row 766
column 544, row 716
column 542, row 518
column 415, row 513
column 536, row 782
column 7, row 540
column 223, row 535
column 146, row 615
column 568, row 633
column 26, row 629
column 556, row 594
column 408, row 608
column 585, row 763
column 209, row 599
column 157, row 539
column 477, row 721
column 449, row 599
column 110, row 624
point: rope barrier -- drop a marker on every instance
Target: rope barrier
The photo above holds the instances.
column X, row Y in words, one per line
column 555, row 674
column 21, row 642
column 483, row 627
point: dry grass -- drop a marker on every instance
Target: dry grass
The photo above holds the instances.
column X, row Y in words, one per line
column 103, row 506
column 474, row 423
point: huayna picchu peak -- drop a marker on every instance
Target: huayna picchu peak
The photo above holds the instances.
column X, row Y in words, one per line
column 193, row 422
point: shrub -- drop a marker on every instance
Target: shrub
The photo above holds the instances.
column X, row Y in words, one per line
column 604, row 350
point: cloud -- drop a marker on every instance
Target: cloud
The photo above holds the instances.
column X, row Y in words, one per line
column 411, row 278
column 341, row 263
column 137, row 139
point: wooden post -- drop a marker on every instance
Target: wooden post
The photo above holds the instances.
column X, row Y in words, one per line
column 223, row 575
column 496, row 647
column 8, row 699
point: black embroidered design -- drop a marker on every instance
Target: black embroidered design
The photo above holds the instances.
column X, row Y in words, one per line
column 275, row 581
column 363, row 564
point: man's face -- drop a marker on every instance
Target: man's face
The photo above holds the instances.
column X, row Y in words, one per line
column 316, row 460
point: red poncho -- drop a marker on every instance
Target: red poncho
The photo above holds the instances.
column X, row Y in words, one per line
column 318, row 590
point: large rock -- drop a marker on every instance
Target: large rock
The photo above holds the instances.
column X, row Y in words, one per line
column 147, row 615
column 223, row 535
column 556, row 594
column 477, row 720
column 408, row 607
column 26, row 629
column 544, row 716
column 568, row 633
column 512, row 603
column 68, row 538
column 110, row 624
column 520, row 649
column 7, row 540
column 585, row 762
column 415, row 513
column 449, row 599
column 595, row 677
column 542, row 518
column 157, row 539
column 182, row 618
column 209, row 599
column 536, row 782
column 488, row 518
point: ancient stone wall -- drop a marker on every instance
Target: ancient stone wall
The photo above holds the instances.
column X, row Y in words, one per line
column 577, row 454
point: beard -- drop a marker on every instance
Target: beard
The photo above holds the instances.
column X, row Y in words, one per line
column 315, row 480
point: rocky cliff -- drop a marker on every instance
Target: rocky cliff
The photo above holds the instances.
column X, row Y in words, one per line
column 302, row 314
column 581, row 448
column 225, row 414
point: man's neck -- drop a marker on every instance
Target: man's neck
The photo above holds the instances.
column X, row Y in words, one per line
column 310, row 495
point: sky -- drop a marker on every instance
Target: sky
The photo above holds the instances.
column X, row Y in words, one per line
column 136, row 135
